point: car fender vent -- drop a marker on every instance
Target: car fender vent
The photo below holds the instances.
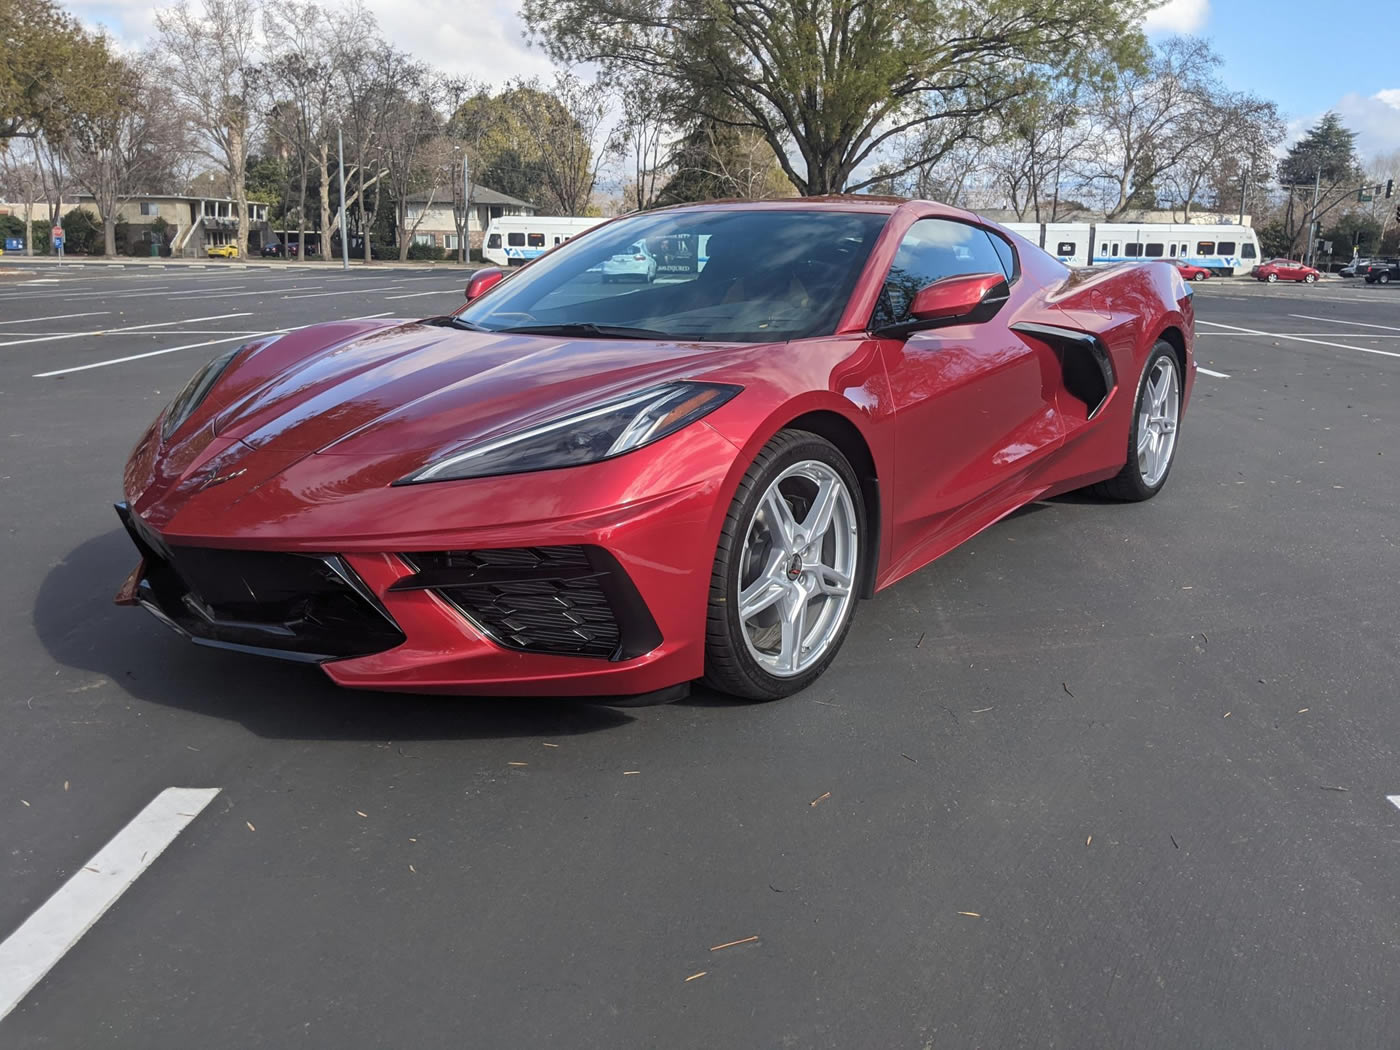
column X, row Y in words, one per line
column 1085, row 363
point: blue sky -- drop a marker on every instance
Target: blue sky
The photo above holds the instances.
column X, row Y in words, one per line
column 1306, row 56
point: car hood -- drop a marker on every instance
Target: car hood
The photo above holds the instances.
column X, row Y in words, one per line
column 423, row 389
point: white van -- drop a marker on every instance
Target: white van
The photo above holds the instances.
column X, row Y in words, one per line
column 514, row 240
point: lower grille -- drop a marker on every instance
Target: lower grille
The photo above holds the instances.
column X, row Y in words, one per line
column 572, row 600
column 308, row 607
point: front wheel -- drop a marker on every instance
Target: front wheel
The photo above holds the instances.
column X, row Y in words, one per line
column 783, row 587
column 1199, row 277
column 1152, row 434
column 1310, row 278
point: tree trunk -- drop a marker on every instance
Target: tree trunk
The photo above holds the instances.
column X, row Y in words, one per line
column 109, row 234
column 29, row 228
column 364, row 223
column 401, row 218
column 323, row 159
column 301, row 216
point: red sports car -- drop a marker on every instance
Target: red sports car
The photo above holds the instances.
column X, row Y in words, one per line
column 1188, row 271
column 573, row 487
column 1285, row 270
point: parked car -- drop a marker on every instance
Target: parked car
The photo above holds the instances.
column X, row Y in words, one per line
column 1189, row 272
column 1355, row 268
column 222, row 251
column 567, row 489
column 280, row 250
column 1285, row 270
column 635, row 264
column 1383, row 271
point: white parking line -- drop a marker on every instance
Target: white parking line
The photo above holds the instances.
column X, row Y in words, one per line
column 1301, row 339
column 192, row 346
column 1338, row 320
column 1208, row 372
column 415, row 295
column 128, row 328
column 45, row 937
column 59, row 317
column 350, row 291
column 177, row 296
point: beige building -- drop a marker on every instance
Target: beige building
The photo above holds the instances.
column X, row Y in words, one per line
column 193, row 224
column 436, row 220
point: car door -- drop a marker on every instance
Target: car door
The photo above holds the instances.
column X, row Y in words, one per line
column 974, row 404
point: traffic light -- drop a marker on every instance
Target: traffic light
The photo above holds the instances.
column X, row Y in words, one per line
column 1389, row 185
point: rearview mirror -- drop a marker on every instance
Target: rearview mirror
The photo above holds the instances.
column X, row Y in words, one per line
column 964, row 299
column 483, row 281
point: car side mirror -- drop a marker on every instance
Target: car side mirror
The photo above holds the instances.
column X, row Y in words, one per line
column 483, row 281
column 962, row 299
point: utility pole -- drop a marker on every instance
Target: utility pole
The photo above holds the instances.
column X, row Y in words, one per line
column 1310, row 256
column 340, row 170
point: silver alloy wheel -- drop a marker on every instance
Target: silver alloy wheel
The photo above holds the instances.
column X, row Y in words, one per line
column 1158, row 415
column 1309, row 279
column 797, row 574
column 1272, row 278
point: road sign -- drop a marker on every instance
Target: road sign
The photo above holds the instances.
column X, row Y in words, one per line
column 56, row 233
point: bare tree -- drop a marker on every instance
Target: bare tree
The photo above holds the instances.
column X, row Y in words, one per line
column 22, row 182
column 411, row 135
column 208, row 58
column 356, row 53
column 563, row 123
column 640, row 135
column 126, row 148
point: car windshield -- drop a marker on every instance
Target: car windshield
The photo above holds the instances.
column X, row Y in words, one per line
column 715, row 275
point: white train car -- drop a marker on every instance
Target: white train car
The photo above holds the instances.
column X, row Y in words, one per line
column 1225, row 249
column 514, row 240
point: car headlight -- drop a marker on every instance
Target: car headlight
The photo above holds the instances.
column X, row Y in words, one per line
column 595, row 434
column 197, row 389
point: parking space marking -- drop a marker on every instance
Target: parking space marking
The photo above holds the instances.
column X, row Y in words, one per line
column 415, row 295
column 192, row 346
column 1394, row 800
column 128, row 328
column 349, row 291
column 177, row 296
column 59, row 317
column 47, row 935
column 1207, row 371
column 1301, row 339
column 1338, row 320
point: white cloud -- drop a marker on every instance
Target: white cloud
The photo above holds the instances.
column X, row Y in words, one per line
column 477, row 38
column 1178, row 16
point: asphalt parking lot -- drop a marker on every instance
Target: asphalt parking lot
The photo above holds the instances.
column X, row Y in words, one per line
column 1106, row 776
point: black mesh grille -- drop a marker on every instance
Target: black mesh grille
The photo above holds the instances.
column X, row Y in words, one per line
column 565, row 600
column 304, row 606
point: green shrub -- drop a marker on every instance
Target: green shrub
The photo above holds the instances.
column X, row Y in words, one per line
column 82, row 233
column 425, row 251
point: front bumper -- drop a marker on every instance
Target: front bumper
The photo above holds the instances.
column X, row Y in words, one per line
column 490, row 608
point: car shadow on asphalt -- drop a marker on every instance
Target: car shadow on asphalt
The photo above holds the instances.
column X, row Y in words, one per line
column 81, row 628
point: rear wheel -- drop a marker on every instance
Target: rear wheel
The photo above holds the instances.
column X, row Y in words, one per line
column 1383, row 279
column 1152, row 435
column 1271, row 278
column 782, row 591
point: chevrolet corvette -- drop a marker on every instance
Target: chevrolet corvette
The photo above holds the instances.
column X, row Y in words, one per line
column 585, row 488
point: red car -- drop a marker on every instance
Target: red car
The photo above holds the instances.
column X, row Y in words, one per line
column 1188, row 271
column 1285, row 270
column 569, row 487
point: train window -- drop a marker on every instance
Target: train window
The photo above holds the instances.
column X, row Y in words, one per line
column 1103, row 250
column 1133, row 250
column 515, row 240
column 494, row 241
column 1205, row 248
column 1225, row 248
column 536, row 240
column 1065, row 248
column 1173, row 251
column 1247, row 252
column 1116, row 247
column 1153, row 250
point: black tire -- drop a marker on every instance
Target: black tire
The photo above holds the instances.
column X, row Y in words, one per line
column 1272, row 278
column 1310, row 279
column 729, row 666
column 1199, row 277
column 1128, row 485
column 1383, row 279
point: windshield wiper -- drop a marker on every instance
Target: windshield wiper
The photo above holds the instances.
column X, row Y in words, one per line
column 457, row 322
column 588, row 328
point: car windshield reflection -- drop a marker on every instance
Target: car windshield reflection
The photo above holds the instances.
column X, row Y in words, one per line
column 715, row 275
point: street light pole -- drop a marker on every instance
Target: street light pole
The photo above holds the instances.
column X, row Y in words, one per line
column 340, row 169
column 466, row 208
